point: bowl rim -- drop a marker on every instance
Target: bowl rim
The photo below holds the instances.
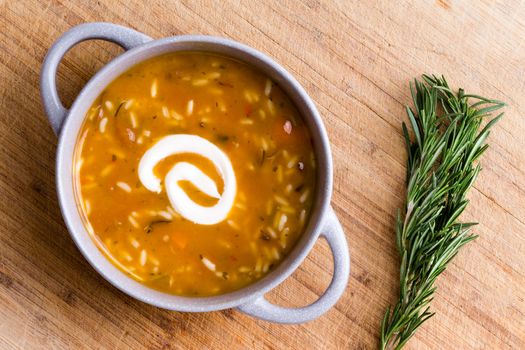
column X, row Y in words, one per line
column 69, row 206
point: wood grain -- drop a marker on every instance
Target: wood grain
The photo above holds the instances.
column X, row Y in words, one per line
column 355, row 59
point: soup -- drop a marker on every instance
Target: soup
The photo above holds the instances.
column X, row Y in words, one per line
column 194, row 173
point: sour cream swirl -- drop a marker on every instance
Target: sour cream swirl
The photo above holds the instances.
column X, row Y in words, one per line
column 180, row 201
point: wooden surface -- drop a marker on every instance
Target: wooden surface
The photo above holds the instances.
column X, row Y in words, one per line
column 355, row 59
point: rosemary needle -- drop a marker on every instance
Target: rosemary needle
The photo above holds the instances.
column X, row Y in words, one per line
column 441, row 167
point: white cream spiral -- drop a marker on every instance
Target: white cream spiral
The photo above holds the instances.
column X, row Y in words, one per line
column 180, row 201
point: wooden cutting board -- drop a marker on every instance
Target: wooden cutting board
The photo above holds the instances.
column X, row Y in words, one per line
column 355, row 59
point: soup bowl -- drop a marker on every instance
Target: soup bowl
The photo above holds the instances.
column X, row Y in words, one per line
column 67, row 123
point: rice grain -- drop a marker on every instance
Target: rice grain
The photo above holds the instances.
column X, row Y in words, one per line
column 189, row 107
column 154, row 88
column 143, row 257
column 209, row 265
column 124, row 186
column 268, row 87
column 102, row 125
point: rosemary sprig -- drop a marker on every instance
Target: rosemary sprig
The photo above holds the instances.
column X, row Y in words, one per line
column 441, row 167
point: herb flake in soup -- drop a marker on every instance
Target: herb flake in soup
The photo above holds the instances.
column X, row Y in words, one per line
column 195, row 174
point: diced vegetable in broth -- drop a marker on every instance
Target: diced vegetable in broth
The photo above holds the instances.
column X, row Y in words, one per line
column 243, row 113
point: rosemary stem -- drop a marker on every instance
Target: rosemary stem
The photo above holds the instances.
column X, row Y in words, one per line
column 441, row 167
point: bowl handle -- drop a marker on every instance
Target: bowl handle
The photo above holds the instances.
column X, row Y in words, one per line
column 334, row 235
column 125, row 37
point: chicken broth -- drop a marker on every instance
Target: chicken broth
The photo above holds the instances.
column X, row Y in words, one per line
column 195, row 174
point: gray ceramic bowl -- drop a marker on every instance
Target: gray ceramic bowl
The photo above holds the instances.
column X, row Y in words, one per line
column 66, row 124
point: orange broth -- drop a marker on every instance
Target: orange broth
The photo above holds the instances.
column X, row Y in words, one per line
column 239, row 110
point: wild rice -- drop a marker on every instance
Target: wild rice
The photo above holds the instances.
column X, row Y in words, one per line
column 302, row 216
column 271, row 231
column 87, row 206
column 264, row 144
column 280, row 200
column 208, row 264
column 143, row 257
column 282, row 241
column 135, row 243
column 268, row 87
column 271, row 107
column 79, row 164
column 133, row 222
column 200, row 82
column 189, row 107
column 102, row 125
column 258, row 265
column 124, row 186
column 292, row 162
column 176, row 115
column 304, row 196
column 106, row 170
column 239, row 205
column 154, row 88
column 276, row 254
column 282, row 222
column 133, row 120
column 233, row 225
column 265, row 268
column 165, row 112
